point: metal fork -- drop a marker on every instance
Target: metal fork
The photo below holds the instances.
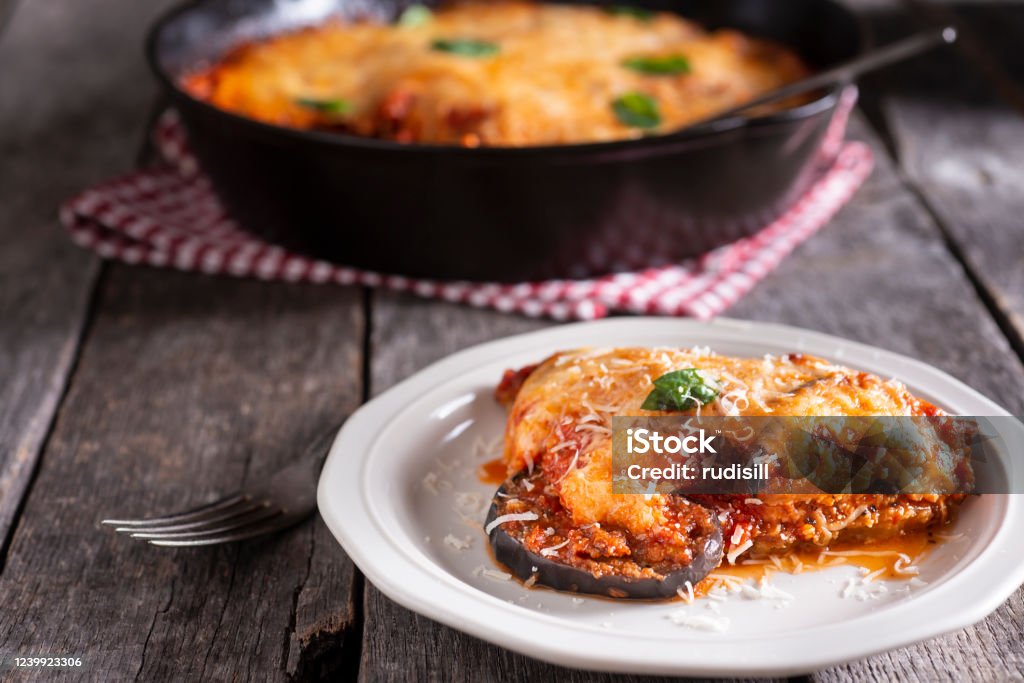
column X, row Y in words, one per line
column 285, row 498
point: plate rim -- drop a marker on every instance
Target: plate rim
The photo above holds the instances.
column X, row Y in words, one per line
column 351, row 520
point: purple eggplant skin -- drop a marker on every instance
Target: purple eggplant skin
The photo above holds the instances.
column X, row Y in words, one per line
column 525, row 564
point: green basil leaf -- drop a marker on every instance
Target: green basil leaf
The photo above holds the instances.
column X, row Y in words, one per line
column 626, row 11
column 637, row 110
column 668, row 65
column 331, row 106
column 465, row 47
column 415, row 15
column 682, row 390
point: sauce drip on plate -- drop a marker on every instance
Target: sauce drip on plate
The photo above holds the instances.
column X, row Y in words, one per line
column 891, row 559
column 886, row 560
column 492, row 472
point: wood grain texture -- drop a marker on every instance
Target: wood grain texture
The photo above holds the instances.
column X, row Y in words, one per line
column 399, row 645
column 63, row 62
column 881, row 275
column 188, row 387
column 956, row 119
column 947, row 128
column 325, row 634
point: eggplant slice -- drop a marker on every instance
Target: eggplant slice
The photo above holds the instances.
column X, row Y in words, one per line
column 596, row 560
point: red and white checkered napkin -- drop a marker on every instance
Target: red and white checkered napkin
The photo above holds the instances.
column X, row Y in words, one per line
column 169, row 216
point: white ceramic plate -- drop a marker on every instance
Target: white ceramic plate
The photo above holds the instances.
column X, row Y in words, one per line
column 377, row 495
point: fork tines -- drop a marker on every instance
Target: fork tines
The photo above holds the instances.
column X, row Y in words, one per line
column 233, row 518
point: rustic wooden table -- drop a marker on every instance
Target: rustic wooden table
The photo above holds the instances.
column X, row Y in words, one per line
column 129, row 390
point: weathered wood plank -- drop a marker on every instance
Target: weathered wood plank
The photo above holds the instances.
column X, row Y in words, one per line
column 325, row 633
column 399, row 645
column 53, row 143
column 63, row 62
column 881, row 275
column 188, row 387
column 885, row 279
column 954, row 141
column 957, row 124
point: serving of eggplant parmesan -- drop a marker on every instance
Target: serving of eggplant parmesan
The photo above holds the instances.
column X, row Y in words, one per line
column 504, row 73
column 548, row 548
column 556, row 521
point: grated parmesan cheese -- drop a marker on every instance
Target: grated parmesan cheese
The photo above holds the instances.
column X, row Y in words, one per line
column 495, row 575
column 511, row 517
column 596, row 429
column 572, row 465
column 700, row 622
column 552, row 550
column 852, row 517
column 862, row 588
column 457, row 543
column 905, row 567
column 868, row 578
column 470, row 506
column 770, row 591
column 430, row 482
column 864, row 553
column 738, row 550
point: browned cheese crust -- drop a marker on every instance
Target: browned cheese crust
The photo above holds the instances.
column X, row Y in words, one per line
column 560, row 422
column 552, row 78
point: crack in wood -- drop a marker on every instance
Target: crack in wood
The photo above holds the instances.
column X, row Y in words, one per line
column 332, row 651
column 1009, row 322
column 289, row 632
column 377, row 639
column 223, row 611
column 47, row 417
column 152, row 625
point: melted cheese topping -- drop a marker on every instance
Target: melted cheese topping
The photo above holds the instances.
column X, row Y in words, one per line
column 561, row 420
column 552, row 80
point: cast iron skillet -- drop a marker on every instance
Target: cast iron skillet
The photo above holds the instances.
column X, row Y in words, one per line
column 503, row 214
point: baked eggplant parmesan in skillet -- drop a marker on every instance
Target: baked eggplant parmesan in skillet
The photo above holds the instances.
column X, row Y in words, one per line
column 556, row 521
column 507, row 73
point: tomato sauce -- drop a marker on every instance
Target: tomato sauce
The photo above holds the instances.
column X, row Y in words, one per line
column 492, row 472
